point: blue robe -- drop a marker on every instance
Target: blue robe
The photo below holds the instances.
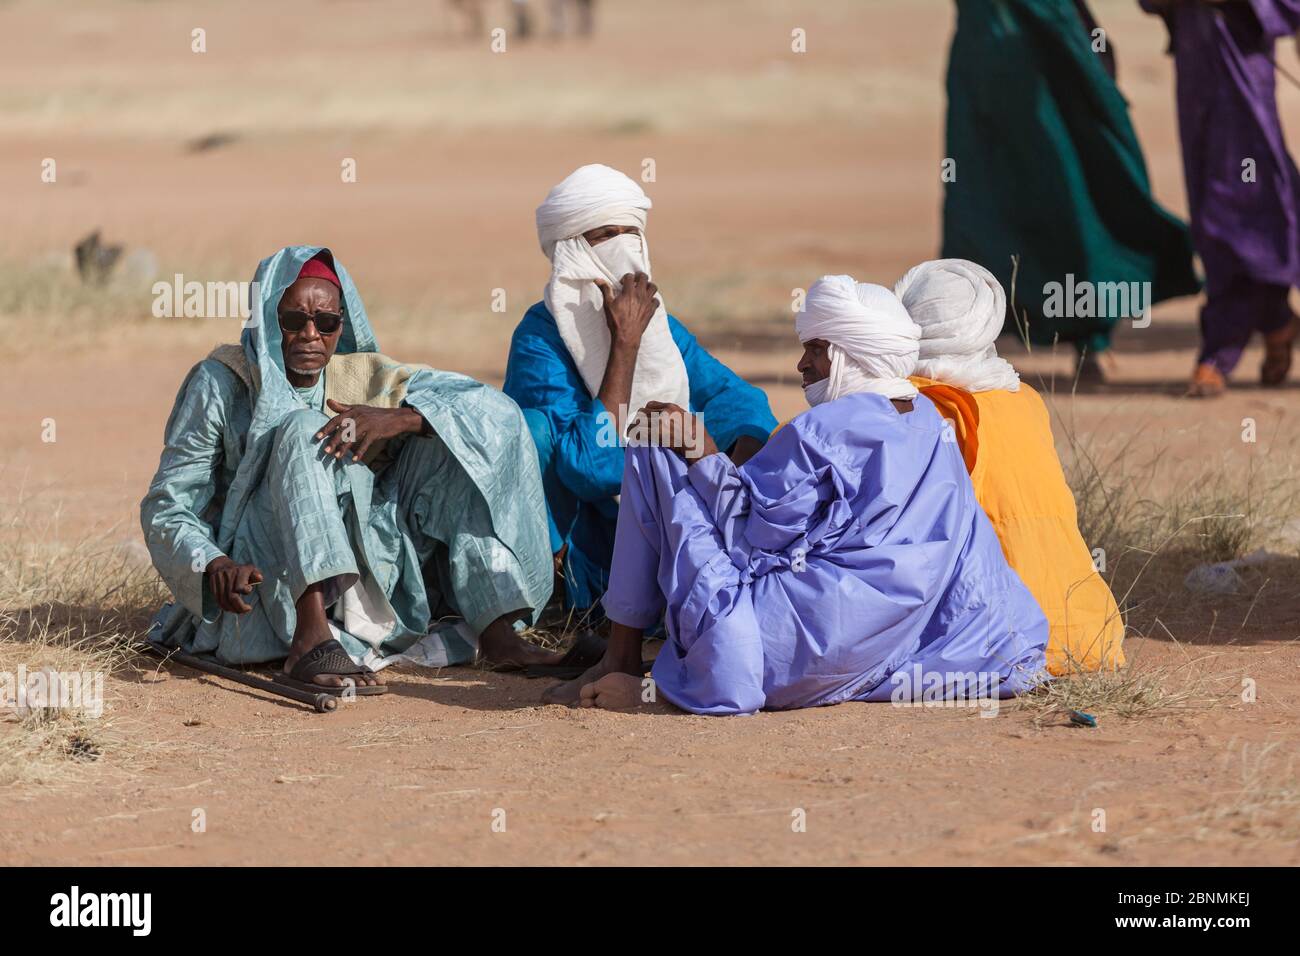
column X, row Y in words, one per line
column 452, row 526
column 582, row 475
column 847, row 560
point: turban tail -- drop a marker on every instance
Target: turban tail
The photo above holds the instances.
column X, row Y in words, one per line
column 873, row 340
column 960, row 308
column 590, row 197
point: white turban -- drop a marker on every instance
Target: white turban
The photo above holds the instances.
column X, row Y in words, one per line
column 960, row 308
column 873, row 341
column 590, row 197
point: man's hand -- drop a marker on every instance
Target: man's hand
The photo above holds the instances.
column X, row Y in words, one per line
column 627, row 317
column 356, row 428
column 628, row 314
column 228, row 580
column 673, row 427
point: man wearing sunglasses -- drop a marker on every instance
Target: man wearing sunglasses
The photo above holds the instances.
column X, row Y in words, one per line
column 321, row 503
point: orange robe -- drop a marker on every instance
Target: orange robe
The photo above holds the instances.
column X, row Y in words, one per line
column 1006, row 442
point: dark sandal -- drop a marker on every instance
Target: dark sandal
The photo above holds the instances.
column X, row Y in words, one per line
column 587, row 648
column 587, row 651
column 329, row 658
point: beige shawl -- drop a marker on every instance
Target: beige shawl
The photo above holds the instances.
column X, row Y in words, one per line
column 358, row 378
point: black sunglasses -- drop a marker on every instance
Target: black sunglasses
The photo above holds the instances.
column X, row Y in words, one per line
column 327, row 323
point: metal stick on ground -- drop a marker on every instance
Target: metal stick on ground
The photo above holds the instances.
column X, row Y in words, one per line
column 323, row 703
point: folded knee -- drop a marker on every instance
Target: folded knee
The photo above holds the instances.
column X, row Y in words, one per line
column 300, row 425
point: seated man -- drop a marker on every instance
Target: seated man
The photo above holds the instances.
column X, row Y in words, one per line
column 1005, row 436
column 847, row 560
column 321, row 503
column 601, row 343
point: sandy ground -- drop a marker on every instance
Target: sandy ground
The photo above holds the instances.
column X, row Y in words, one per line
column 771, row 171
column 424, row 774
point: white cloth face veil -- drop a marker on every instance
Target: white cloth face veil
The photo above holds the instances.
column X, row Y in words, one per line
column 591, row 197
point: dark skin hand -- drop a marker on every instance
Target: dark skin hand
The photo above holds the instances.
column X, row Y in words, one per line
column 627, row 315
column 674, row 428
column 627, row 321
column 685, row 435
column 369, row 425
column 228, row 581
column 815, row 365
column 625, row 329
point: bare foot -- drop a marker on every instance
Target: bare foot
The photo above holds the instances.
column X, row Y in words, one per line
column 616, row 691
column 570, row 692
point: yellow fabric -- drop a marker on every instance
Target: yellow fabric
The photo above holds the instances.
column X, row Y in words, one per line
column 1020, row 485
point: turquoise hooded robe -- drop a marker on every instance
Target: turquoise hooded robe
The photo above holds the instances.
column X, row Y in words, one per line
column 453, row 528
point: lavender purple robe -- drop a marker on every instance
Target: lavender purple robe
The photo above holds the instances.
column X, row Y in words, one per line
column 848, row 560
column 1247, row 233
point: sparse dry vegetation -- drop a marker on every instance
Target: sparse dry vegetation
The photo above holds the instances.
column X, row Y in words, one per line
column 71, row 609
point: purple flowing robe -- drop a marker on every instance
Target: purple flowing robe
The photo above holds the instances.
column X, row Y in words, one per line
column 848, row 560
column 1247, row 233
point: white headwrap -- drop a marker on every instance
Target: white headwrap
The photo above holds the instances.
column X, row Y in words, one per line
column 960, row 308
column 595, row 196
column 873, row 339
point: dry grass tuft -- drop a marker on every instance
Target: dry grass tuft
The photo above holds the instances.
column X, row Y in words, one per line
column 1138, row 689
column 556, row 630
column 70, row 609
column 52, row 288
column 52, row 743
column 1152, row 530
column 1267, row 804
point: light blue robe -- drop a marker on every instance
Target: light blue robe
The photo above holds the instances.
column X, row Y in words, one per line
column 847, row 560
column 453, row 527
column 582, row 474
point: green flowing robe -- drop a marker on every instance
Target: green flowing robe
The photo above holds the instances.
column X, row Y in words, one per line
column 1048, row 168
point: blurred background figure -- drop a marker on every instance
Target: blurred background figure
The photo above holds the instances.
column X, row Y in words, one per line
column 469, row 14
column 1046, row 167
column 583, row 17
column 523, row 19
column 1242, row 185
column 567, row 17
